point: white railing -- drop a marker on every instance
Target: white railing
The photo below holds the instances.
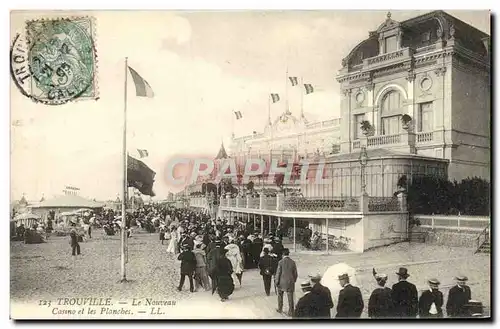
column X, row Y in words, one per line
column 384, row 140
column 425, row 137
column 253, row 203
column 453, row 223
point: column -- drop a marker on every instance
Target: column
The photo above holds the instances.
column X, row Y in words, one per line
column 294, row 235
column 262, row 225
column 254, row 222
column 270, row 224
column 327, row 236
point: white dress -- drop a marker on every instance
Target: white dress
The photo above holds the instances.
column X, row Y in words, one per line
column 234, row 256
column 172, row 246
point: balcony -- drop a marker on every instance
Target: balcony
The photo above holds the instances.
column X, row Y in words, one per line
column 319, row 205
column 387, row 59
column 377, row 141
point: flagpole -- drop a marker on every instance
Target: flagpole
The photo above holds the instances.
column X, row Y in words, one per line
column 232, row 124
column 301, row 97
column 124, row 198
column 269, row 109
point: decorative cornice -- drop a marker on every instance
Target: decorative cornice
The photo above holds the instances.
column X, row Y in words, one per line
column 440, row 71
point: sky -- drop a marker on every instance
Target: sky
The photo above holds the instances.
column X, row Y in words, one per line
column 202, row 66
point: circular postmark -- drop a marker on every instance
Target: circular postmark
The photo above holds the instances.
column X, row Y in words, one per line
column 55, row 63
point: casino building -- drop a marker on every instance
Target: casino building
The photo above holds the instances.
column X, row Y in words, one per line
column 415, row 101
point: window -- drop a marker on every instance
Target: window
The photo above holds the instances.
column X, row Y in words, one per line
column 357, row 121
column 425, row 114
column 392, row 102
column 391, row 44
column 391, row 125
column 426, row 38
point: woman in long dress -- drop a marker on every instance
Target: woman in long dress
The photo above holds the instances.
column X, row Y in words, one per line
column 234, row 256
column 174, row 240
column 223, row 273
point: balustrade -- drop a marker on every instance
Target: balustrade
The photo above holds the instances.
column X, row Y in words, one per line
column 425, row 137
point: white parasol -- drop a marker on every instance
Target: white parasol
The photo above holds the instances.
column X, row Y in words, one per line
column 330, row 278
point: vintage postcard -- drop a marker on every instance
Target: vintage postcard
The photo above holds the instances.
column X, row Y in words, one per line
column 250, row 164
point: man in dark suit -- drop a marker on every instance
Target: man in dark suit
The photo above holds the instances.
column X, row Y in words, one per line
column 188, row 266
column 430, row 304
column 458, row 297
column 285, row 278
column 350, row 303
column 306, row 306
column 267, row 267
column 404, row 296
column 380, row 304
column 323, row 298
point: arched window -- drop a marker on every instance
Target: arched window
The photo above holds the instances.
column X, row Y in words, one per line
column 392, row 102
column 391, row 111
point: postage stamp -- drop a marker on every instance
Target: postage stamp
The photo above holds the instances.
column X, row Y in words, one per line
column 56, row 61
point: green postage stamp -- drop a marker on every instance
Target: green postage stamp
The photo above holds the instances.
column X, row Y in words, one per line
column 61, row 59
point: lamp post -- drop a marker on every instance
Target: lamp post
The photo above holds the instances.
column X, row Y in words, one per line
column 363, row 159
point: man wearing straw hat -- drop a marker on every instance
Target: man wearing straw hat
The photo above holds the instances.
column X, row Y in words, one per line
column 306, row 307
column 458, row 297
column 404, row 296
column 431, row 302
column 350, row 303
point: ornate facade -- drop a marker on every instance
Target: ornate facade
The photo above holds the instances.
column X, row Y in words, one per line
column 433, row 68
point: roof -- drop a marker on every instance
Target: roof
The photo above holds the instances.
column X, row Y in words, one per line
column 69, row 201
column 450, row 26
column 378, row 154
column 222, row 153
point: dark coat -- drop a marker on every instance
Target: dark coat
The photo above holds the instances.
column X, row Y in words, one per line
column 350, row 302
column 323, row 300
column 405, row 299
column 187, row 241
column 188, row 262
column 223, row 271
column 457, row 298
column 212, row 258
column 424, row 304
column 267, row 262
column 286, row 275
column 380, row 304
column 306, row 307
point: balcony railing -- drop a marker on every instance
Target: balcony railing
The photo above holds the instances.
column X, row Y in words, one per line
column 425, row 137
column 383, row 140
column 320, row 204
column 356, row 144
column 270, row 203
column 379, row 204
column 253, row 203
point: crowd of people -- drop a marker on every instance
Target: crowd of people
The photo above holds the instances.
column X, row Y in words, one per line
column 214, row 254
column 402, row 301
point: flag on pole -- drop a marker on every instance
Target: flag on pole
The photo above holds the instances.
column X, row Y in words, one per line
column 294, row 81
column 143, row 153
column 238, row 115
column 275, row 98
column 140, row 176
column 309, row 88
column 142, row 87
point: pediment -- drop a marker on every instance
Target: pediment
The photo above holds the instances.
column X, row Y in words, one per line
column 388, row 25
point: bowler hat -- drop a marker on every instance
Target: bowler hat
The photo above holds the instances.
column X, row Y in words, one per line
column 403, row 272
column 343, row 276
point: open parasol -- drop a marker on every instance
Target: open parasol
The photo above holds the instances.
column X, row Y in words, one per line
column 330, row 278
